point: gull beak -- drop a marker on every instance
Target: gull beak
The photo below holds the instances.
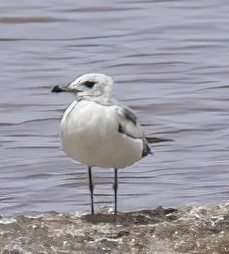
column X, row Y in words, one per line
column 57, row 89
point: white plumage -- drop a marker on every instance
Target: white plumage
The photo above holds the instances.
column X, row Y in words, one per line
column 98, row 131
column 89, row 134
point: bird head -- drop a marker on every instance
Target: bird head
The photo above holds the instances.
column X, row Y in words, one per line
column 92, row 86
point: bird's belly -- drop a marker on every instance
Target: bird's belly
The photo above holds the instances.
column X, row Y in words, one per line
column 95, row 141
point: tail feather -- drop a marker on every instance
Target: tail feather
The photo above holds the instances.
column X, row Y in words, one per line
column 157, row 140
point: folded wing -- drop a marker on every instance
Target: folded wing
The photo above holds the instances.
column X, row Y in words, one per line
column 129, row 126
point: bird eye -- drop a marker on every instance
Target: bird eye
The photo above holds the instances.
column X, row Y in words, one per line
column 89, row 84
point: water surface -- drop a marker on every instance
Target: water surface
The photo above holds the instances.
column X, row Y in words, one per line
column 169, row 60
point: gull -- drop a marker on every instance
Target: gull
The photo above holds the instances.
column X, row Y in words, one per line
column 99, row 131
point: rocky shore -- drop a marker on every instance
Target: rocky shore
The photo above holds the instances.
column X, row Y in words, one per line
column 191, row 229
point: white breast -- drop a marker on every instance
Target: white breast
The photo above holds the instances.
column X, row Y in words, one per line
column 89, row 134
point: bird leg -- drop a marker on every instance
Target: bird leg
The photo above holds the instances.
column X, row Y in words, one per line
column 115, row 186
column 91, row 187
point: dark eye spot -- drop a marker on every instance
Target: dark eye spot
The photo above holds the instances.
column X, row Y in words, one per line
column 89, row 84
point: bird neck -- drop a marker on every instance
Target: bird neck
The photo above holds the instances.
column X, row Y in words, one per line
column 98, row 99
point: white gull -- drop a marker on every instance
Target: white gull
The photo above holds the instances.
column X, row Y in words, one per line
column 98, row 131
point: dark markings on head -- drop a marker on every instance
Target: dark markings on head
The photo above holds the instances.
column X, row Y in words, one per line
column 89, row 84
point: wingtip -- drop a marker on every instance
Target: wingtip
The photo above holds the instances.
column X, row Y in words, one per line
column 157, row 140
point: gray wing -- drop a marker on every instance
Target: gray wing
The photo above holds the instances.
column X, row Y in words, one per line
column 129, row 126
column 128, row 122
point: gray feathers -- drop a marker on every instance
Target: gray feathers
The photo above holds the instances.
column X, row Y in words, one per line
column 129, row 126
column 128, row 122
column 129, row 115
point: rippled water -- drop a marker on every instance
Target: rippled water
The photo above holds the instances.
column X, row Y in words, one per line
column 170, row 63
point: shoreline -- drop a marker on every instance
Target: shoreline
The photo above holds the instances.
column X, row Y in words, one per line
column 190, row 229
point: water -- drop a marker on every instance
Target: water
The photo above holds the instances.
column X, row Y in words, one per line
column 169, row 60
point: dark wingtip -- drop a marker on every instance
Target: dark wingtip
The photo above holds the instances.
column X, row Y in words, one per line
column 146, row 149
column 56, row 89
column 157, row 140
